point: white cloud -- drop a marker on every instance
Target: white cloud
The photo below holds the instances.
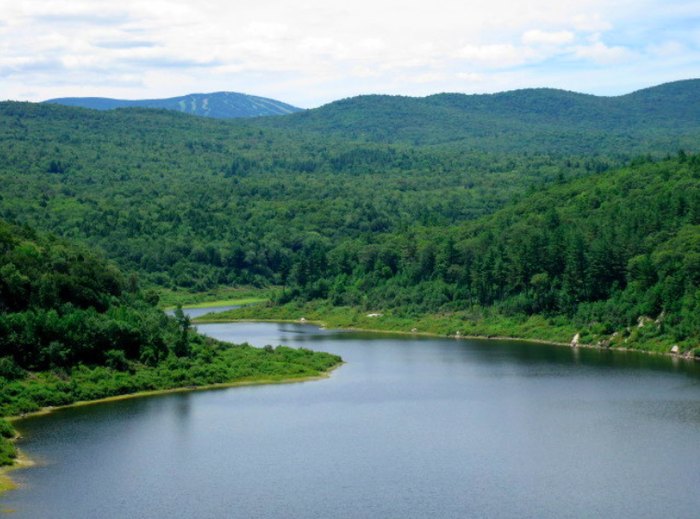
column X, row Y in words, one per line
column 497, row 55
column 472, row 77
column 538, row 37
column 428, row 77
column 667, row 49
column 315, row 50
column 591, row 22
column 602, row 54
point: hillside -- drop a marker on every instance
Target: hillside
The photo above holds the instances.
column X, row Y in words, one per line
column 615, row 252
column 664, row 117
column 219, row 105
column 196, row 202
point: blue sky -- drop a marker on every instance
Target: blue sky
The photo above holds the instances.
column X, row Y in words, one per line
column 310, row 52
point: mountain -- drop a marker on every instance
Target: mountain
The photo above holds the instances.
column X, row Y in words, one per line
column 219, row 105
column 196, row 202
column 536, row 119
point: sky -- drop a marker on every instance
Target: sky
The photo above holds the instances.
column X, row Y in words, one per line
column 311, row 52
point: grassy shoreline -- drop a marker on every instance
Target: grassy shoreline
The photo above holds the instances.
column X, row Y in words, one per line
column 222, row 296
column 535, row 329
column 185, row 389
column 222, row 302
column 22, row 461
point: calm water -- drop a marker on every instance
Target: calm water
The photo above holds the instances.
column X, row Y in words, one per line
column 198, row 312
column 408, row 428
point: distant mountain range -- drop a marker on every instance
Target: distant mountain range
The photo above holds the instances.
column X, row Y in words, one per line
column 219, row 105
column 543, row 117
column 546, row 120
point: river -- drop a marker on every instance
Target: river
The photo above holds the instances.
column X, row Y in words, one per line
column 407, row 428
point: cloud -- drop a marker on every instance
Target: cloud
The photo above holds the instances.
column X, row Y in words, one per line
column 472, row 77
column 602, row 54
column 496, row 55
column 116, row 44
column 538, row 37
column 315, row 50
column 591, row 22
column 80, row 19
column 667, row 49
column 428, row 77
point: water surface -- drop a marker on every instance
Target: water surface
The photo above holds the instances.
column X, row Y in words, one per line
column 198, row 312
column 408, row 428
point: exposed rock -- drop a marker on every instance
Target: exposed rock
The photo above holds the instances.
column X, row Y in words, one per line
column 302, row 320
column 642, row 320
column 414, row 330
column 575, row 341
column 675, row 349
column 374, row 315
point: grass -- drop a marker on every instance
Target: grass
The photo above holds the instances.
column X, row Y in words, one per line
column 222, row 296
column 444, row 324
column 249, row 381
column 6, row 482
column 477, row 322
column 223, row 302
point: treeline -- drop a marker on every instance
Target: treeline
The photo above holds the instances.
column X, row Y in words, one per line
column 604, row 251
column 62, row 305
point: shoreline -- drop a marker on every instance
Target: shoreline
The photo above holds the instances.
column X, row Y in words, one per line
column 184, row 389
column 323, row 325
column 22, row 461
column 245, row 301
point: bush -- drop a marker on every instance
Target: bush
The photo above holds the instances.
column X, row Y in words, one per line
column 10, row 370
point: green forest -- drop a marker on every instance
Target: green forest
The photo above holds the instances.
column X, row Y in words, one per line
column 535, row 213
column 608, row 253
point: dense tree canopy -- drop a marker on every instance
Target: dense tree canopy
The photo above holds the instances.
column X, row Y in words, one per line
column 197, row 203
column 607, row 249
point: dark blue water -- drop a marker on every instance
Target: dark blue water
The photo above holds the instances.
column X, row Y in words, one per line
column 408, row 428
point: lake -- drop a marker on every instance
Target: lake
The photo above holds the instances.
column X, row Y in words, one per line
column 409, row 427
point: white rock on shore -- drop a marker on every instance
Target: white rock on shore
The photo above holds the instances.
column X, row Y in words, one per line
column 575, row 341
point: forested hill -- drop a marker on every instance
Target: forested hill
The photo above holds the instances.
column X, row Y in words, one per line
column 608, row 252
column 220, row 105
column 196, row 202
column 555, row 121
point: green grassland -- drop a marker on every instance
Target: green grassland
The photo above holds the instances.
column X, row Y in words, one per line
column 220, row 296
